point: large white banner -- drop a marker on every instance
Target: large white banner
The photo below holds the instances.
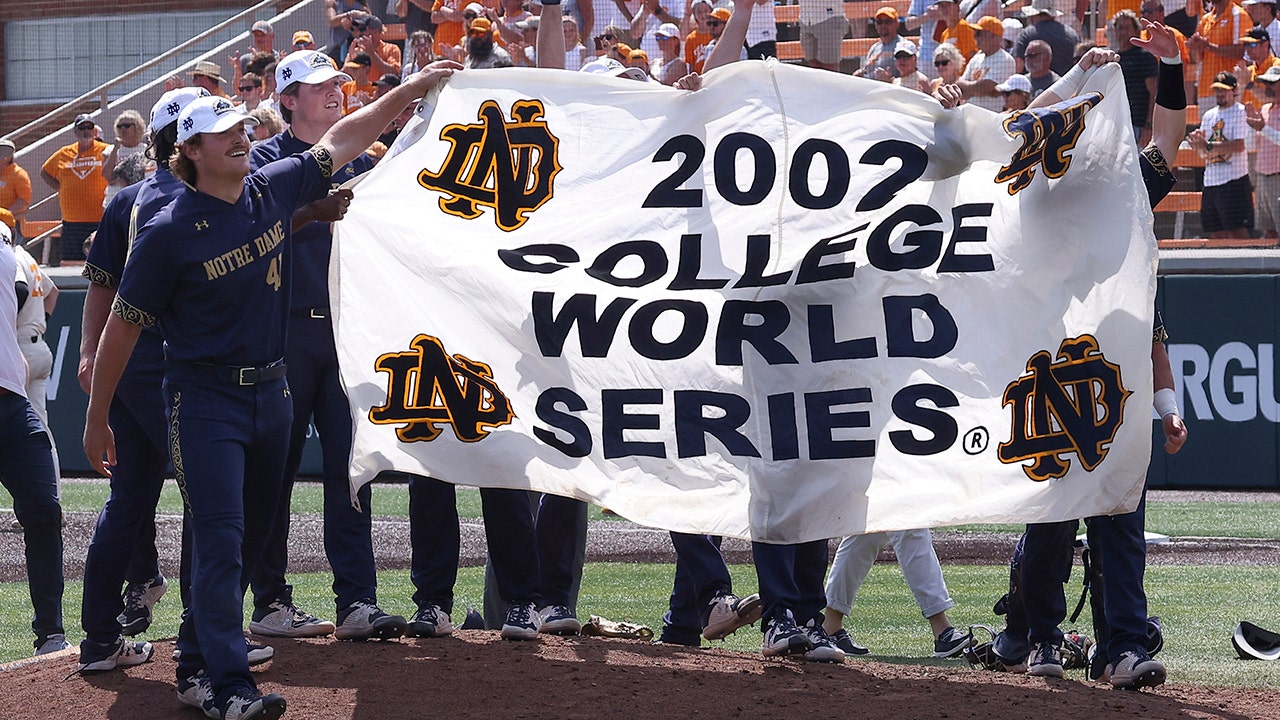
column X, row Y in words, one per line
column 791, row 305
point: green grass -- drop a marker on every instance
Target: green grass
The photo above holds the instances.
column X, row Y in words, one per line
column 1199, row 605
column 391, row 500
column 1192, row 519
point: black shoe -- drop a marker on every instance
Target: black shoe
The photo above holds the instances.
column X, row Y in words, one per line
column 844, row 641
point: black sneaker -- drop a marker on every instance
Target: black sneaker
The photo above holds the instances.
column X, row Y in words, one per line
column 363, row 620
column 473, row 621
column 522, row 622
column 844, row 641
column 951, row 642
column 1045, row 660
column 248, row 705
column 430, row 621
column 139, row 599
column 784, row 637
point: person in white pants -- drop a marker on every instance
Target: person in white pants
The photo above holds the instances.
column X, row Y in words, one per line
column 41, row 299
column 919, row 563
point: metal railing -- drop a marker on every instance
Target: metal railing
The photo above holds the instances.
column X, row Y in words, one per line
column 306, row 13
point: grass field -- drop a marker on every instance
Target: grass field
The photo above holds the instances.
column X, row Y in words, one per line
column 1198, row 604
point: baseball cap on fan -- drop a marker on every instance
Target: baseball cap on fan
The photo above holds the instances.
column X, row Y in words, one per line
column 210, row 115
column 307, row 67
column 171, row 104
column 612, row 68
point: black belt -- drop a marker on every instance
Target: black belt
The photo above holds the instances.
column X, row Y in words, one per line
column 234, row 375
column 317, row 313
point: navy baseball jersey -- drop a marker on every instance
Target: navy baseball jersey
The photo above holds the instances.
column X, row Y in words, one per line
column 1156, row 174
column 201, row 255
column 311, row 266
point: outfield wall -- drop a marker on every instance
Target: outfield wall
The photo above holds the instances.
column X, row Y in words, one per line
column 1223, row 337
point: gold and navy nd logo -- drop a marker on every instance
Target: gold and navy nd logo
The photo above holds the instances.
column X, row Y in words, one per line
column 507, row 166
column 429, row 388
column 1048, row 134
column 1072, row 405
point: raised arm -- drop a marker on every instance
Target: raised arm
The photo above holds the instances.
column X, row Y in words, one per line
column 550, row 43
column 1069, row 85
column 354, row 133
column 729, row 47
column 1169, row 115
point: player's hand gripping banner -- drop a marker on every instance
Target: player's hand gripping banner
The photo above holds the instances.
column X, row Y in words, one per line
column 791, row 305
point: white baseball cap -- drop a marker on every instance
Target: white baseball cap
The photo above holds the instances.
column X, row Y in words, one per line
column 667, row 30
column 612, row 68
column 308, row 67
column 210, row 115
column 170, row 106
column 1020, row 83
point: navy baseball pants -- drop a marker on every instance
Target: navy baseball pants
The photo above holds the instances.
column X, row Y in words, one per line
column 791, row 578
column 348, row 543
column 701, row 574
column 26, row 471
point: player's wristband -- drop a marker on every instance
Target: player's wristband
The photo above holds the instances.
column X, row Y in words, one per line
column 1165, row 402
column 1069, row 85
column 550, row 2
column 1171, row 92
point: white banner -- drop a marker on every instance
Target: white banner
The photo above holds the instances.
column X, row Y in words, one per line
column 791, row 305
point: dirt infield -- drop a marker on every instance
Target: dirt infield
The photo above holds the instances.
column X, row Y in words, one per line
column 474, row 674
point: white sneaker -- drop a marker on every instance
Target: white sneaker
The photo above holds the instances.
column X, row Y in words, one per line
column 363, row 620
column 824, row 649
column 559, row 620
column 430, row 621
column 730, row 612
column 784, row 637
column 245, row 706
column 139, row 599
column 56, row 642
column 522, row 622
column 286, row 620
column 125, row 653
column 197, row 692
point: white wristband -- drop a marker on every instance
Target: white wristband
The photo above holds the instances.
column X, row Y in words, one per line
column 1175, row 60
column 1165, row 402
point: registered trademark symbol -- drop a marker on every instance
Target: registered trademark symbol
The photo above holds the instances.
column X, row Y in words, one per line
column 975, row 441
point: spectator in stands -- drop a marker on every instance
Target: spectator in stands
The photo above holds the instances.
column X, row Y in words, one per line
column 1226, row 205
column 575, row 53
column 339, row 14
column 130, row 132
column 620, row 52
column 250, row 89
column 359, row 91
column 909, row 75
column 1043, row 25
column 302, row 40
column 762, row 33
column 451, row 18
column 670, row 67
column 1257, row 59
column 1266, row 194
column 888, row 40
column 948, row 63
column 1037, row 61
column 75, row 172
column 989, row 67
column 513, row 11
column 1216, row 46
column 482, row 50
column 949, row 27
column 1263, row 15
column 416, row 15
column 367, row 34
column 208, row 75
column 917, row 17
column 1016, row 92
column 1140, row 70
column 270, row 99
column 421, row 53
column 715, row 25
column 1013, row 27
column 270, row 123
column 523, row 52
column 646, row 18
column 15, row 185
column 698, row 34
column 264, row 39
column 823, row 26
column 640, row 59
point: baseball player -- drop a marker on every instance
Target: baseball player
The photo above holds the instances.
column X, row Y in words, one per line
column 1117, row 541
column 123, row 544
column 214, row 271
column 42, row 296
column 702, row 600
column 315, row 388
column 26, row 469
